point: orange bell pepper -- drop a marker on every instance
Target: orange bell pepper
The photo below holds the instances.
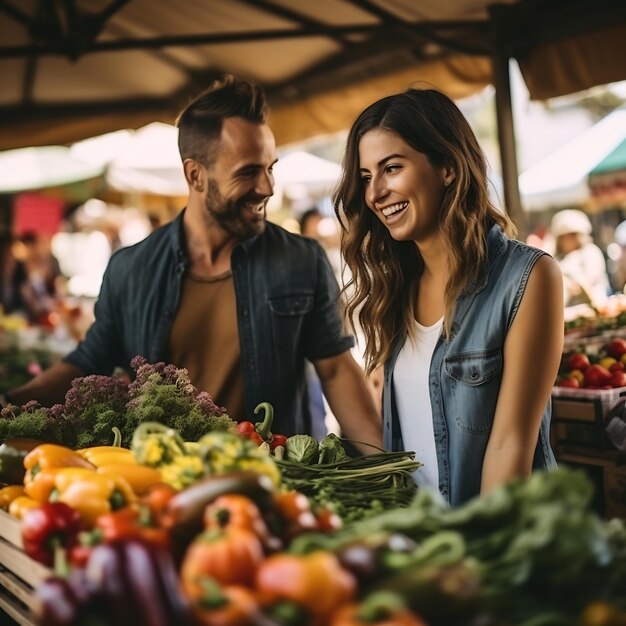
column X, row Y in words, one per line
column 214, row 605
column 315, row 582
column 41, row 485
column 8, row 494
column 48, row 455
column 91, row 494
column 21, row 504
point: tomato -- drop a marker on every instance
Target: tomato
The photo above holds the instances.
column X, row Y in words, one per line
column 616, row 347
column 157, row 497
column 618, row 379
column 618, row 366
column 597, row 376
column 568, row 381
column 327, row 520
column 578, row 361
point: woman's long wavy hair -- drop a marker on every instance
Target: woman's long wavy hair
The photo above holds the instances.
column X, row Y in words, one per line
column 382, row 290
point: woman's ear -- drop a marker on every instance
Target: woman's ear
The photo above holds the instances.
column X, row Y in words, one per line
column 448, row 175
column 194, row 174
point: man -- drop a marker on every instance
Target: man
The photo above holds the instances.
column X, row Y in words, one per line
column 238, row 301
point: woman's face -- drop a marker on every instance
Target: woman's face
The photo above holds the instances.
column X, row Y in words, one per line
column 401, row 186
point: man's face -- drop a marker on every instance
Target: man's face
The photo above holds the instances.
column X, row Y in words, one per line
column 241, row 180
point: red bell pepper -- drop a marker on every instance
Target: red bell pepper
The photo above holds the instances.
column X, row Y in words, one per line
column 132, row 522
column 248, row 430
column 277, row 440
column 48, row 528
column 260, row 432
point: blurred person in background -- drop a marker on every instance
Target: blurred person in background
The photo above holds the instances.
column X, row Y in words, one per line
column 239, row 302
column 467, row 321
column 44, row 278
column 13, row 277
column 585, row 277
column 325, row 230
column 321, row 422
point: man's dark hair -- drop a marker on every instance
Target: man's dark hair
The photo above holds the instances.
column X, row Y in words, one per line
column 200, row 122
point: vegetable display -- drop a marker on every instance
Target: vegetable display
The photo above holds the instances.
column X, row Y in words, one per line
column 515, row 553
column 352, row 487
column 228, row 529
column 95, row 404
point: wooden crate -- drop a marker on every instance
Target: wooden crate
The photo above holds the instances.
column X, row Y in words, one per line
column 615, row 492
column 19, row 574
column 578, row 416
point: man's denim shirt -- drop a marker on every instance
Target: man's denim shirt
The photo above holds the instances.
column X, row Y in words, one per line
column 287, row 311
column 466, row 372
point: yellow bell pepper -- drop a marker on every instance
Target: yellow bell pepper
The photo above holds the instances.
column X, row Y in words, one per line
column 8, row 494
column 108, row 455
column 48, row 455
column 91, row 494
column 21, row 504
column 139, row 477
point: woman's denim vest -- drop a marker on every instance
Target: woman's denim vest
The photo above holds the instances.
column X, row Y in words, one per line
column 466, row 371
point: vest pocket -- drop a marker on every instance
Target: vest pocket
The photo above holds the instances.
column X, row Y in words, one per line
column 474, row 368
column 472, row 393
column 287, row 317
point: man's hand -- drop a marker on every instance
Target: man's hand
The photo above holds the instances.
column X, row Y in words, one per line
column 48, row 388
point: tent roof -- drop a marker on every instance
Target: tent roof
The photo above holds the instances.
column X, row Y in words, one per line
column 614, row 161
column 561, row 178
column 79, row 68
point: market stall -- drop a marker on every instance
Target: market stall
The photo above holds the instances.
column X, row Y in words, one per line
column 153, row 507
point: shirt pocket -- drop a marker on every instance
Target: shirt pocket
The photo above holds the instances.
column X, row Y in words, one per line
column 474, row 393
column 288, row 317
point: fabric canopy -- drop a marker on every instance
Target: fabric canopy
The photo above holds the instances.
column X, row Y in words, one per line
column 92, row 66
column 607, row 180
column 27, row 169
column 561, row 178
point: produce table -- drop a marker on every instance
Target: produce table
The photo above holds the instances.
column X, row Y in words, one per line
column 183, row 519
column 19, row 574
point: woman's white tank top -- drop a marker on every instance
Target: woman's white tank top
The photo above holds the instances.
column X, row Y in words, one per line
column 410, row 385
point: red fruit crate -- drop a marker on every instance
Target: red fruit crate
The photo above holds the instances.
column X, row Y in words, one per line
column 578, row 416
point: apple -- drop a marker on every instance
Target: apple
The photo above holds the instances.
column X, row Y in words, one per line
column 596, row 376
column 578, row 375
column 616, row 347
column 618, row 379
column 578, row 361
column 607, row 361
column 568, row 381
column 618, row 366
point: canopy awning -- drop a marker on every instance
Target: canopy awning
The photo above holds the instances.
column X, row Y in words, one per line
column 87, row 67
column 561, row 179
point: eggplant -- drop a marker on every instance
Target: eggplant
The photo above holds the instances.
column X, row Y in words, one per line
column 184, row 512
column 124, row 583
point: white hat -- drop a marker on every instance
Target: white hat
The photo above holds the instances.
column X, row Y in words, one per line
column 570, row 221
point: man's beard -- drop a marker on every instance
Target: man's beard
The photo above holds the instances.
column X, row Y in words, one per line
column 230, row 215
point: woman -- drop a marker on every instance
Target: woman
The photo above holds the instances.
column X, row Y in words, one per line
column 467, row 322
column 585, row 279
